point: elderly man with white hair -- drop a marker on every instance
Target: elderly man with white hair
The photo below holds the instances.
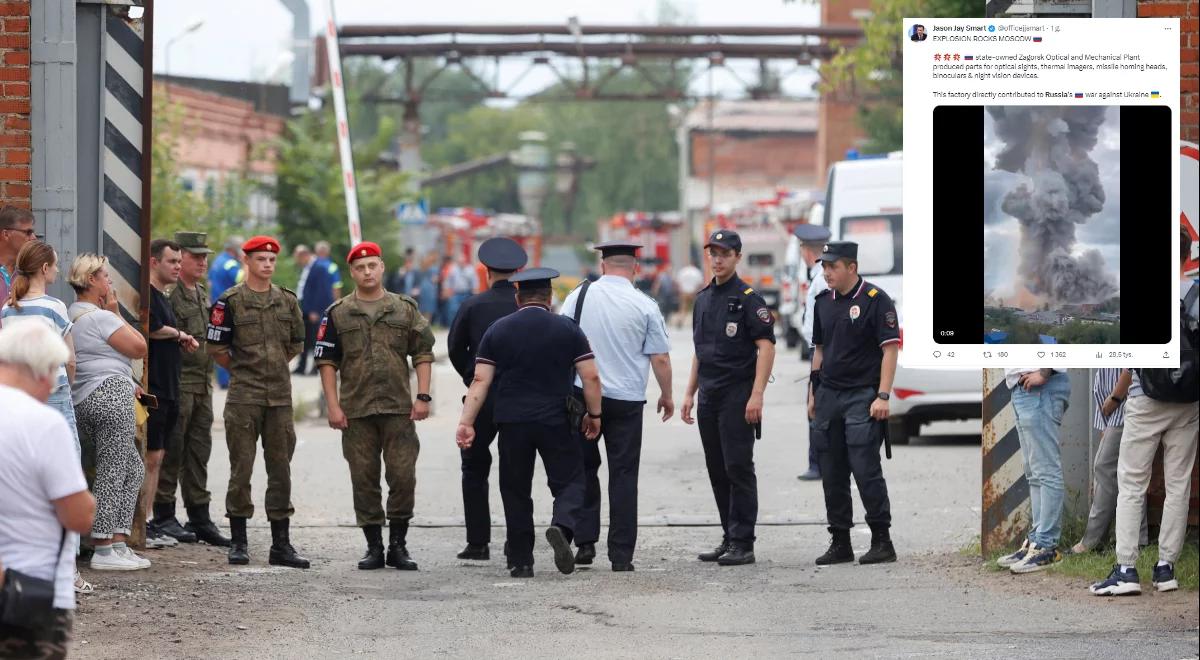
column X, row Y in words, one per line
column 44, row 500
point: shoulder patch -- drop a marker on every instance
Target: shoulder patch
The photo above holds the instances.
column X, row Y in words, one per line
column 288, row 291
column 408, row 299
column 872, row 293
column 764, row 315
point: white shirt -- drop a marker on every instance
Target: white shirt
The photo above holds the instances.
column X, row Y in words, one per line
column 624, row 327
column 689, row 278
column 1013, row 376
column 37, row 465
column 303, row 279
column 816, row 284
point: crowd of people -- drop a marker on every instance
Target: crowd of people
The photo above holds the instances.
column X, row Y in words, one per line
column 545, row 384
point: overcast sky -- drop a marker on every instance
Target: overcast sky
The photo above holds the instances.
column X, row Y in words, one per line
column 245, row 39
column 1001, row 231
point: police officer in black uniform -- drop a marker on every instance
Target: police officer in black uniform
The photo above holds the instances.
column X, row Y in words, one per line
column 856, row 340
column 503, row 257
column 533, row 355
column 734, row 334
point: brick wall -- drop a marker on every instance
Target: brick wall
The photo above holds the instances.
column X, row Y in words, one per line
column 771, row 158
column 1188, row 13
column 14, row 103
column 838, row 114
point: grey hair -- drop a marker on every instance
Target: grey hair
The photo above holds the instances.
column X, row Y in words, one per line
column 234, row 243
column 34, row 347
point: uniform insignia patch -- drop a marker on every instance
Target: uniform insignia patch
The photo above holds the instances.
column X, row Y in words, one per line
column 764, row 314
column 872, row 292
column 854, row 312
column 217, row 317
column 731, row 329
column 890, row 319
column 748, row 291
column 321, row 330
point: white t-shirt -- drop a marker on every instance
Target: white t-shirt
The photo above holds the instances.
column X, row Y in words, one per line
column 689, row 278
column 37, row 465
column 95, row 359
column 42, row 309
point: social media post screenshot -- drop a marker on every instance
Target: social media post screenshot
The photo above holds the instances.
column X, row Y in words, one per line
column 1041, row 192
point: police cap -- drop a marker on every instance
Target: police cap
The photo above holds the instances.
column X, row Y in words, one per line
column 534, row 278
column 725, row 238
column 502, row 254
column 617, row 249
column 812, row 233
column 839, row 250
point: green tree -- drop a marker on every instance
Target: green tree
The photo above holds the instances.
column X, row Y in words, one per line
column 308, row 184
column 872, row 70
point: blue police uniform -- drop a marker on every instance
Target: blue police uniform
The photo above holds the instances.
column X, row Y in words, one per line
column 851, row 331
column 534, row 352
column 474, row 317
column 727, row 321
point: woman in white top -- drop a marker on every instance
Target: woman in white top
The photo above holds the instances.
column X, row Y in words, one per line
column 44, row 501
column 103, row 392
column 37, row 269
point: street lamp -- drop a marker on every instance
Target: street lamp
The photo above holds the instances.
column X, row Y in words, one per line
column 196, row 24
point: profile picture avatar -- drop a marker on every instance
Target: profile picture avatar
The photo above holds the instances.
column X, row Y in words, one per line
column 917, row 33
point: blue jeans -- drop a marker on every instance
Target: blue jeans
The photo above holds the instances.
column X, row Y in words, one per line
column 60, row 400
column 1039, row 413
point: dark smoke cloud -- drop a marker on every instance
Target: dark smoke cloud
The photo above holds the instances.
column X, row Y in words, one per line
column 1050, row 146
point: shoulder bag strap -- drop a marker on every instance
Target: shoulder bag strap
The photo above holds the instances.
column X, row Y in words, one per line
column 583, row 288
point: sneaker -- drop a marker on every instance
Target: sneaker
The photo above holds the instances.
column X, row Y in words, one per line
column 132, row 556
column 82, row 586
column 1164, row 578
column 156, row 540
column 1118, row 583
column 113, row 561
column 1038, row 559
column 1016, row 557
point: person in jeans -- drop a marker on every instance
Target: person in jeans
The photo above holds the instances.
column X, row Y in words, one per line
column 1109, row 419
column 1149, row 423
column 44, row 500
column 35, row 269
column 103, row 393
column 1039, row 401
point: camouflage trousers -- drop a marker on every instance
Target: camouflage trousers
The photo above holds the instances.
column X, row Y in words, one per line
column 49, row 643
column 186, row 461
column 364, row 442
column 244, row 425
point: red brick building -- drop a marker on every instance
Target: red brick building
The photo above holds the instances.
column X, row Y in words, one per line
column 1188, row 13
column 15, row 139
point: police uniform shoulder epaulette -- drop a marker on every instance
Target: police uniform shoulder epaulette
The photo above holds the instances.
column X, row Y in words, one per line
column 288, row 291
column 824, row 292
column 408, row 299
column 230, row 292
column 748, row 291
column 335, row 304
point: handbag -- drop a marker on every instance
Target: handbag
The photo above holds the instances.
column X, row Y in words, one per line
column 27, row 601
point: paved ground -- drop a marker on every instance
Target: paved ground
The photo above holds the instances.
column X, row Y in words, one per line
column 933, row 602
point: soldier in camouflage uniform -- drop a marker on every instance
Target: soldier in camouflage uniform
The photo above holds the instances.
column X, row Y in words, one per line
column 254, row 330
column 370, row 336
column 190, row 445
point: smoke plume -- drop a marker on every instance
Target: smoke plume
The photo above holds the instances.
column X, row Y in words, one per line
column 1050, row 146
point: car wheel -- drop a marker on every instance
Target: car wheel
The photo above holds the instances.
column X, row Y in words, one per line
column 901, row 430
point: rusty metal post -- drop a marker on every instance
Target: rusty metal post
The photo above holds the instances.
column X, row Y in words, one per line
column 1005, row 507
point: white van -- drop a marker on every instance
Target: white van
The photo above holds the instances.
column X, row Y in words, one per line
column 863, row 203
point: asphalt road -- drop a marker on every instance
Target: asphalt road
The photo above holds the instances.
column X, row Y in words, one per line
column 933, row 602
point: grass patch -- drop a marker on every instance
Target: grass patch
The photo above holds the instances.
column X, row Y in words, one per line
column 1096, row 565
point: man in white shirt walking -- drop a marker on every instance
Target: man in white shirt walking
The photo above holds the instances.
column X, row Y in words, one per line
column 629, row 338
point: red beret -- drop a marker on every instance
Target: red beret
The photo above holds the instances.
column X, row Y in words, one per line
column 364, row 249
column 261, row 244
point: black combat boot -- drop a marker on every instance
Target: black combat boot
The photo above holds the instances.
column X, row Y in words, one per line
column 200, row 524
column 397, row 552
column 716, row 552
column 476, row 552
column 239, row 549
column 738, row 555
column 585, row 554
column 374, row 557
column 282, row 552
column 164, row 520
column 882, row 549
column 840, row 551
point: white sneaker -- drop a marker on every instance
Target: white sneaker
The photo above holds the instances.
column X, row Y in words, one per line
column 113, row 561
column 1017, row 557
column 132, row 556
column 82, row 586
